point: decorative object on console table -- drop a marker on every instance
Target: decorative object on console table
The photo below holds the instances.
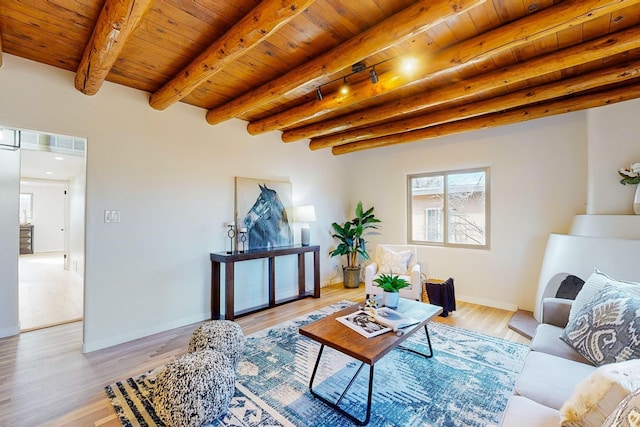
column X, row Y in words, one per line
column 264, row 207
column 243, row 239
column 352, row 243
column 631, row 175
column 232, row 234
column 305, row 214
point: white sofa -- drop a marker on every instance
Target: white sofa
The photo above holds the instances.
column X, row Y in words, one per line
column 551, row 372
column 401, row 260
column 558, row 384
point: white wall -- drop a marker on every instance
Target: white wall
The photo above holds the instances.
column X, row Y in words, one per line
column 172, row 177
column 613, row 144
column 538, row 182
column 9, row 241
column 48, row 213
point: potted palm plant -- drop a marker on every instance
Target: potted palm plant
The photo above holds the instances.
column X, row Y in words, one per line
column 390, row 284
column 352, row 243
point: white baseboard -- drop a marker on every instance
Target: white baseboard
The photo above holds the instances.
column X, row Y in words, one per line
column 487, row 302
column 142, row 333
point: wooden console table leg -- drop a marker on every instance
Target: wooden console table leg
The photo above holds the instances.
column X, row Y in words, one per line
column 301, row 275
column 272, row 282
column 316, row 274
column 228, row 289
column 215, row 290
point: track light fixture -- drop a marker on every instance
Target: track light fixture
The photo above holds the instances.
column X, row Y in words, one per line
column 373, row 75
column 358, row 67
column 409, row 65
column 344, row 89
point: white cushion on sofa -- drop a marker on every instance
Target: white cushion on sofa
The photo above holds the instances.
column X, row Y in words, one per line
column 550, row 380
column 598, row 395
column 523, row 412
column 547, row 340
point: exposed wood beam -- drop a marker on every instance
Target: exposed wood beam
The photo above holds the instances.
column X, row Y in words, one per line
column 590, row 51
column 265, row 19
column 462, row 55
column 498, row 119
column 415, row 19
column 117, row 21
column 609, row 76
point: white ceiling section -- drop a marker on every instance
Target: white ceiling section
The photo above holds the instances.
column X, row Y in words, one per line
column 46, row 165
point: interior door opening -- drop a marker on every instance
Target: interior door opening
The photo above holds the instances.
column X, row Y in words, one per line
column 51, row 259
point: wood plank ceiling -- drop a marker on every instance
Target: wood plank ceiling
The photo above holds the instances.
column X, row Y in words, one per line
column 476, row 63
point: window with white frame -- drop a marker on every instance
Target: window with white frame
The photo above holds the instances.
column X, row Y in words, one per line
column 449, row 208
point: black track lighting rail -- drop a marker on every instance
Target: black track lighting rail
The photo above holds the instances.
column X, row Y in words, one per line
column 356, row 68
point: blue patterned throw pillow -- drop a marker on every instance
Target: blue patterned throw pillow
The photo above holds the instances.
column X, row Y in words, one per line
column 607, row 328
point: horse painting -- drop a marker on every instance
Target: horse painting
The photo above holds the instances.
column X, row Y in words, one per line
column 267, row 221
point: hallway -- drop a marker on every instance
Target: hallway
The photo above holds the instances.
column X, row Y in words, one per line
column 49, row 295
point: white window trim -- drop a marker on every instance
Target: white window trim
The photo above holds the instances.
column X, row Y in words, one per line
column 445, row 230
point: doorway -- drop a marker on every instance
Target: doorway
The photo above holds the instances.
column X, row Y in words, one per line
column 51, row 260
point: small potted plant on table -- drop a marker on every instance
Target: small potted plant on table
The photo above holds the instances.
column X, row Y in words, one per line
column 352, row 243
column 390, row 285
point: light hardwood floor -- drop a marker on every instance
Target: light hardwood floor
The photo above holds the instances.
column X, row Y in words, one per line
column 49, row 295
column 45, row 380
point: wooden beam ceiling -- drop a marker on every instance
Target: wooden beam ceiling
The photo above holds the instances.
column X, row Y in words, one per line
column 117, row 21
column 471, row 88
column 462, row 55
column 417, row 18
column 484, row 62
column 498, row 119
column 550, row 91
column 259, row 24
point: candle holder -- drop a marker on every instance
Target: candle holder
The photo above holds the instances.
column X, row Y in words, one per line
column 232, row 234
column 243, row 238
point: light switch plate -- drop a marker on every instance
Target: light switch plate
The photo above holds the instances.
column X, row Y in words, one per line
column 111, row 216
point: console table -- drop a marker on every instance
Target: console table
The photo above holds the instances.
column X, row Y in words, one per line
column 229, row 260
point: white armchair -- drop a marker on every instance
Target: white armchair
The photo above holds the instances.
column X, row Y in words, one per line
column 401, row 260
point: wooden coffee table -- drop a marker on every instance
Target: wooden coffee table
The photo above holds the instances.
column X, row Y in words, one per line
column 329, row 332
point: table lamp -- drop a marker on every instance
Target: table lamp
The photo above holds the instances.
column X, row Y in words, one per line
column 305, row 214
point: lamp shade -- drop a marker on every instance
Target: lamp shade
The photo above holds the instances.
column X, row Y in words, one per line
column 305, row 213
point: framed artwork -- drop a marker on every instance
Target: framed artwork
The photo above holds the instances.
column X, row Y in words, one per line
column 264, row 207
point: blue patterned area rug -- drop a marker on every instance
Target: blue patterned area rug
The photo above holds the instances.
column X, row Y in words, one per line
column 466, row 383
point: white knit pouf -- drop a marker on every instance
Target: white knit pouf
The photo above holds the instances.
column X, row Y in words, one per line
column 222, row 335
column 194, row 389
